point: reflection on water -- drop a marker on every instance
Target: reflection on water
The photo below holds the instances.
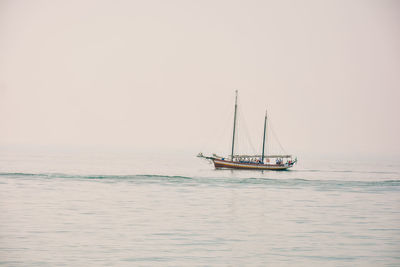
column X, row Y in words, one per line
column 118, row 209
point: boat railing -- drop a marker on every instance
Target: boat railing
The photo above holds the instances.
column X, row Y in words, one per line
column 265, row 156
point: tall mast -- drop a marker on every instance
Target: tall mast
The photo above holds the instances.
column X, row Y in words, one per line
column 265, row 130
column 234, row 125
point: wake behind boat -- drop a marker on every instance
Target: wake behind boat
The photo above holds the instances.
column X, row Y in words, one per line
column 251, row 162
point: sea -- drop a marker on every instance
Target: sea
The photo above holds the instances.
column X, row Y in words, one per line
column 97, row 207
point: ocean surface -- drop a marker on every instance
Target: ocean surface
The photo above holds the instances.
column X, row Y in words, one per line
column 131, row 208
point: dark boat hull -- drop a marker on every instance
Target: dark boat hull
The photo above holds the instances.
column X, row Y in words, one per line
column 219, row 163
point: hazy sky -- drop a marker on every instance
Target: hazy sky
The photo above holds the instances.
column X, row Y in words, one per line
column 162, row 74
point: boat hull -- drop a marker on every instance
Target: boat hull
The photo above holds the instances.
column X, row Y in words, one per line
column 218, row 163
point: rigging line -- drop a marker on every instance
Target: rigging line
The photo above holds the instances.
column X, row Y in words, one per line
column 217, row 132
column 221, row 139
column 245, row 131
column 276, row 137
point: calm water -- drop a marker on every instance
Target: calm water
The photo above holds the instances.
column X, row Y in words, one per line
column 121, row 209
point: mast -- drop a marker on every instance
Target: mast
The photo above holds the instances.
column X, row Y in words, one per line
column 265, row 130
column 234, row 125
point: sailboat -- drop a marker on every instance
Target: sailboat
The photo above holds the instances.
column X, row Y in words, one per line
column 251, row 162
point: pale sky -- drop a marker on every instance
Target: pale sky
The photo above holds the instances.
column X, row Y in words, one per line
column 162, row 74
